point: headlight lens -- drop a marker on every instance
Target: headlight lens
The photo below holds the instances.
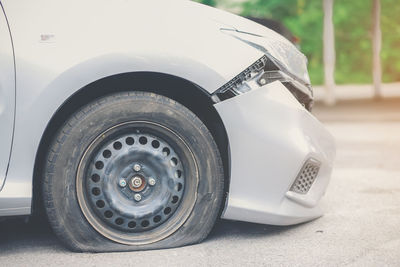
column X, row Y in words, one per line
column 281, row 62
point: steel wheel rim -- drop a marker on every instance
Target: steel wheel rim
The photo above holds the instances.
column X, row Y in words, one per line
column 164, row 207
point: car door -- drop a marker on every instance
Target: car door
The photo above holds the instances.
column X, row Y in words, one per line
column 7, row 95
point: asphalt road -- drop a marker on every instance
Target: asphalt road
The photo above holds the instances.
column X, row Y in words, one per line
column 360, row 226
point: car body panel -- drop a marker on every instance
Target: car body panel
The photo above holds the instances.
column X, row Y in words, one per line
column 271, row 136
column 7, row 95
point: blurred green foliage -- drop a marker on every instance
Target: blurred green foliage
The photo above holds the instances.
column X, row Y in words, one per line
column 353, row 32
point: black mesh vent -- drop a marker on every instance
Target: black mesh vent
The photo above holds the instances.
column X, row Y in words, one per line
column 306, row 177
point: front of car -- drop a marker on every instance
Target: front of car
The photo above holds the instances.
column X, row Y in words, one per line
column 164, row 102
column 281, row 156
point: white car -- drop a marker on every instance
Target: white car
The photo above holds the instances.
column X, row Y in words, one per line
column 136, row 124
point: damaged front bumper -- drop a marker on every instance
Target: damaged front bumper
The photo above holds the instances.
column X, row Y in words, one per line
column 273, row 139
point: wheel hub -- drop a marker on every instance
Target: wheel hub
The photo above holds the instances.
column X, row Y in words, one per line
column 137, row 183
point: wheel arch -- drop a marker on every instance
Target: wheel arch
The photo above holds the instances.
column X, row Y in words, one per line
column 192, row 96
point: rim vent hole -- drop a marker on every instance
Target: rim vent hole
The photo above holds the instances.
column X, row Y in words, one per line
column 108, row 214
column 175, row 199
column 174, row 161
column 96, row 191
column 117, row 145
column 179, row 187
column 143, row 140
column 155, row 144
column 106, row 153
column 167, row 210
column 166, row 151
column 119, row 221
column 129, row 141
column 178, row 174
column 100, row 204
column 95, row 178
column 99, row 165
column 157, row 218
column 132, row 224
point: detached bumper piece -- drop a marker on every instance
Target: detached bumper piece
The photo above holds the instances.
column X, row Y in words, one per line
column 281, row 157
column 302, row 92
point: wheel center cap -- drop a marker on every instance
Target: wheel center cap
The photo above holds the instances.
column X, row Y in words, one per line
column 137, row 183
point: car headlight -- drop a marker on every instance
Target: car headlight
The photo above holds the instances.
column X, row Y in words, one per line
column 279, row 50
column 269, row 69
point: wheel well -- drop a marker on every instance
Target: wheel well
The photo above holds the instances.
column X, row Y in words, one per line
column 188, row 94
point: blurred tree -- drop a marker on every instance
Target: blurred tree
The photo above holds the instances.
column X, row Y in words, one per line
column 304, row 18
column 208, row 2
column 353, row 34
column 353, row 41
column 390, row 25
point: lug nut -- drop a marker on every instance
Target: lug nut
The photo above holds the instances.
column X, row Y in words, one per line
column 137, row 167
column 122, row 182
column 152, row 181
column 137, row 197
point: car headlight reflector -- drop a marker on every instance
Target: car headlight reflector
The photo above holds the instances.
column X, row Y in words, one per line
column 260, row 73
